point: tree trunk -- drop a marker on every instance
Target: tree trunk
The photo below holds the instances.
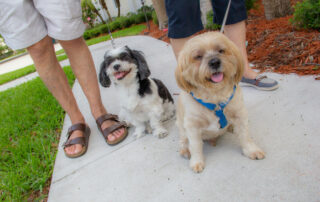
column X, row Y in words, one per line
column 105, row 7
column 276, row 8
column 118, row 6
column 159, row 7
column 98, row 14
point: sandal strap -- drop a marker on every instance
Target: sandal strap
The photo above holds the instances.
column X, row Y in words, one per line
column 106, row 117
column 83, row 140
column 79, row 126
column 113, row 128
column 77, row 140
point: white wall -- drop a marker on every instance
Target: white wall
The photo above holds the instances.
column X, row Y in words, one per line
column 126, row 6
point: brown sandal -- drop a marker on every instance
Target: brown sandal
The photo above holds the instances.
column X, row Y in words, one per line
column 84, row 140
column 106, row 132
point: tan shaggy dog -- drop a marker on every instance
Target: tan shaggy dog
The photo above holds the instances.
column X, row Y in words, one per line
column 210, row 67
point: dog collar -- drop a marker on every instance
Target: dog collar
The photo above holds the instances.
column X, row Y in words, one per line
column 219, row 112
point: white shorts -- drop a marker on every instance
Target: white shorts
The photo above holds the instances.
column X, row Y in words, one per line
column 25, row 22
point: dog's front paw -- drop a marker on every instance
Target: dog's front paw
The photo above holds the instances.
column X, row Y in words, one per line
column 197, row 166
column 253, row 152
column 138, row 135
column 161, row 133
column 185, row 153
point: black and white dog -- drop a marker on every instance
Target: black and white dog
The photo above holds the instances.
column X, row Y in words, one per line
column 145, row 102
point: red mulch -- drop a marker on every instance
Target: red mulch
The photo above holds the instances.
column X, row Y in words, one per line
column 274, row 45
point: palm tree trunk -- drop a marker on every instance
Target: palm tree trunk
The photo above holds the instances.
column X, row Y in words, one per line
column 98, row 14
column 276, row 8
column 105, row 7
column 118, row 6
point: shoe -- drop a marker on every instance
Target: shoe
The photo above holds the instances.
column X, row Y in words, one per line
column 107, row 131
column 78, row 140
column 260, row 83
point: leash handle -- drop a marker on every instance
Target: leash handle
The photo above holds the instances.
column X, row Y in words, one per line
column 225, row 17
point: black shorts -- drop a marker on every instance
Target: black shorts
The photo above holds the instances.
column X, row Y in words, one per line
column 185, row 15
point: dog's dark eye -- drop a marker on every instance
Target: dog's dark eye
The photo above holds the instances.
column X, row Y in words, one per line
column 221, row 51
column 198, row 57
column 122, row 56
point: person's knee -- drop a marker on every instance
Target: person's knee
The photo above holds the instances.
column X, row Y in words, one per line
column 73, row 42
column 40, row 48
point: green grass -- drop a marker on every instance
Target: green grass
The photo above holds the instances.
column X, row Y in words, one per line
column 59, row 52
column 10, row 76
column 134, row 30
column 31, row 121
column 4, row 78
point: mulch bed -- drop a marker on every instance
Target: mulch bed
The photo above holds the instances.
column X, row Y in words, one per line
column 274, row 45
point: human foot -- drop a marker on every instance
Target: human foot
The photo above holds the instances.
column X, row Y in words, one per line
column 112, row 129
column 77, row 142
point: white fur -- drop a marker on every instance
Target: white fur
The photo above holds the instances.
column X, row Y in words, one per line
column 144, row 113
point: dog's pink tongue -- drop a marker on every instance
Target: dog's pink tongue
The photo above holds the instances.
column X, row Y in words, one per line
column 217, row 77
column 119, row 75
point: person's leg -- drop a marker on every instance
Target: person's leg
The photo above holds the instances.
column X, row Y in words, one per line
column 237, row 33
column 182, row 26
column 235, row 30
column 177, row 45
column 83, row 67
column 51, row 73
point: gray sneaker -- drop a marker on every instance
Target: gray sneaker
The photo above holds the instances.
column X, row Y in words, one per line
column 260, row 83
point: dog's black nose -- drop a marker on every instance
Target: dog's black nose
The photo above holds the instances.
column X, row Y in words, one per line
column 116, row 67
column 214, row 63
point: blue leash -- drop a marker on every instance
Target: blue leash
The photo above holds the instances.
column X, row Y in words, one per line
column 219, row 112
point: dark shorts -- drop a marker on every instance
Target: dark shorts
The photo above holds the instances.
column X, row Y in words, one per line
column 185, row 16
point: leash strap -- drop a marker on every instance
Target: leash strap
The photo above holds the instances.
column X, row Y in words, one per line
column 225, row 17
column 103, row 14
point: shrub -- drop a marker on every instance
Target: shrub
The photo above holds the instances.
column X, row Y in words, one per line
column 103, row 29
column 250, row 4
column 146, row 8
column 139, row 18
column 87, row 35
column 155, row 18
column 307, row 14
column 95, row 32
column 114, row 25
column 210, row 25
column 124, row 22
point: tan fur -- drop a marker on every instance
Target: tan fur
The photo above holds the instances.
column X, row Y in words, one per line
column 196, row 123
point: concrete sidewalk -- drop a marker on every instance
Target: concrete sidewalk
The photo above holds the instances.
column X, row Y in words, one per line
column 284, row 123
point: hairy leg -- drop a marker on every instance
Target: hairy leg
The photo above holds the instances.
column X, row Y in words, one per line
column 177, row 45
column 82, row 65
column 54, row 78
column 237, row 34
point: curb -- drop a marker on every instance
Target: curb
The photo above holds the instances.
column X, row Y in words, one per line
column 14, row 57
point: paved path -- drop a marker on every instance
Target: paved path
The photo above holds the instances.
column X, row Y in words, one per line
column 285, row 123
column 20, row 62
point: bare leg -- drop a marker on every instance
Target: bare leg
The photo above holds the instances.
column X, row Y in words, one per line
column 54, row 78
column 83, row 67
column 237, row 34
column 177, row 45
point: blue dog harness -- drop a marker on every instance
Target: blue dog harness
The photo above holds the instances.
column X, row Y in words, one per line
column 219, row 112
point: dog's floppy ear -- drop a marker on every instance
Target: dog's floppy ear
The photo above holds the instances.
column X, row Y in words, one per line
column 143, row 68
column 103, row 77
column 181, row 81
column 239, row 63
